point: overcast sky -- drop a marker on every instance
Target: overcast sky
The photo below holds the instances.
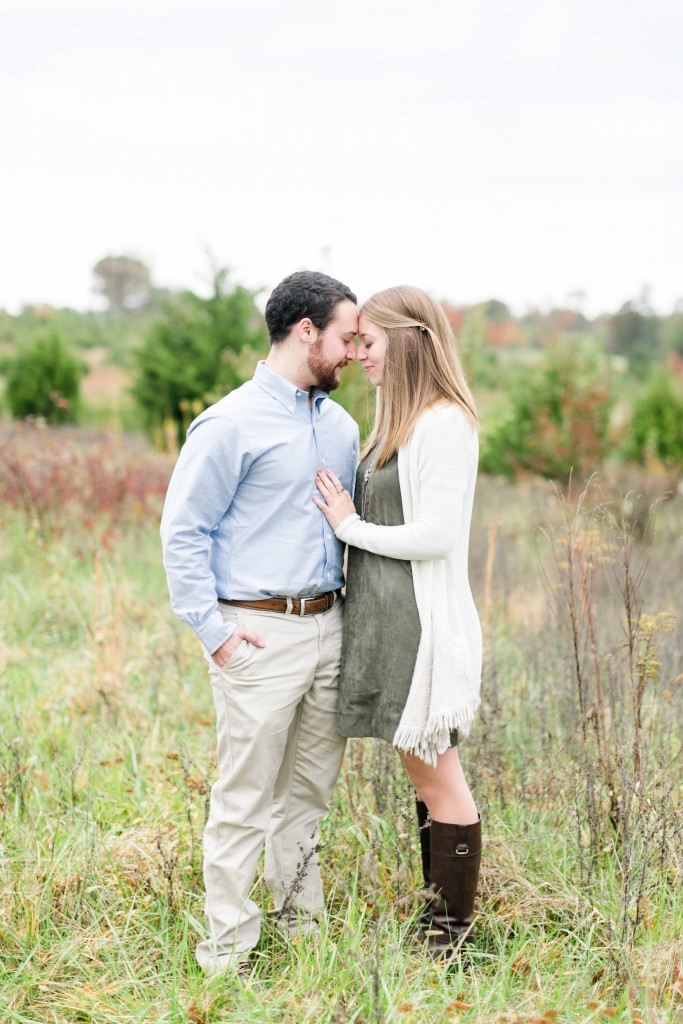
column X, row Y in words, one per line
column 510, row 148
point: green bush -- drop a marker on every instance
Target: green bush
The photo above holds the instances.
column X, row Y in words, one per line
column 44, row 379
column 557, row 420
column 656, row 427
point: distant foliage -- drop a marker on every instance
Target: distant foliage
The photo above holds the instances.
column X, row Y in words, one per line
column 557, row 420
column 656, row 428
column 190, row 356
column 634, row 333
column 480, row 361
column 495, row 311
column 81, row 330
column 125, row 282
column 44, row 379
column 672, row 332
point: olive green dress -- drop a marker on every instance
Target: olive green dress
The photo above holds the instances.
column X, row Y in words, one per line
column 381, row 621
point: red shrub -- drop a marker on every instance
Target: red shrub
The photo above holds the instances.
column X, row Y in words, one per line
column 64, row 477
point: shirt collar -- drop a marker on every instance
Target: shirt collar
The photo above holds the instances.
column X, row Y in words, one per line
column 287, row 393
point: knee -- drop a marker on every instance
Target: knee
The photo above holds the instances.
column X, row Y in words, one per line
column 430, row 793
column 442, row 788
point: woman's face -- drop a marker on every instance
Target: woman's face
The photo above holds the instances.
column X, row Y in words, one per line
column 371, row 350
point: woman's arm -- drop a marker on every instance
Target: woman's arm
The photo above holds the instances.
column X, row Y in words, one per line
column 447, row 457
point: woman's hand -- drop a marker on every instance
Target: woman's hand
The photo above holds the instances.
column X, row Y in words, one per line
column 336, row 503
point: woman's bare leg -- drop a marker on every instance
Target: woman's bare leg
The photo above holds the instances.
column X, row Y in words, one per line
column 443, row 788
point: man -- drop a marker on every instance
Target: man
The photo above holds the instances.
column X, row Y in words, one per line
column 255, row 570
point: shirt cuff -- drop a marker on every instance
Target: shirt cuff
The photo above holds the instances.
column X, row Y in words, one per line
column 215, row 631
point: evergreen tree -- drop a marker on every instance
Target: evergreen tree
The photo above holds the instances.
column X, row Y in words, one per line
column 188, row 359
column 44, row 380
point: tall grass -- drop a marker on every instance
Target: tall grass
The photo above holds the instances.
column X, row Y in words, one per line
column 107, row 755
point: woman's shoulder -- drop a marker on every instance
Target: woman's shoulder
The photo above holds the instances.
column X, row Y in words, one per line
column 444, row 417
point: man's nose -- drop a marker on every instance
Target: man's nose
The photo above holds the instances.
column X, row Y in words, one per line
column 351, row 353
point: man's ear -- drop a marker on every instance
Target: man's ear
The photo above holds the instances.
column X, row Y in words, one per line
column 306, row 330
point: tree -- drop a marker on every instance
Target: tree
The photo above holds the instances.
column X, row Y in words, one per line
column 44, row 380
column 634, row 333
column 189, row 357
column 656, row 429
column 495, row 311
column 124, row 281
column 558, row 418
column 672, row 332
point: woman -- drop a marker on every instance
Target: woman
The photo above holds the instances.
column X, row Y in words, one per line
column 411, row 662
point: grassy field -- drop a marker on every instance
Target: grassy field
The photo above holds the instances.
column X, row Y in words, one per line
column 106, row 756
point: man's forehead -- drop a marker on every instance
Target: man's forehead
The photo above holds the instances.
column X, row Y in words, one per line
column 346, row 316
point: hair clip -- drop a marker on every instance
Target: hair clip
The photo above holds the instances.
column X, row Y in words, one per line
column 423, row 327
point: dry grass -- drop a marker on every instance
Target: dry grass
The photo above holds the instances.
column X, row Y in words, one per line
column 106, row 755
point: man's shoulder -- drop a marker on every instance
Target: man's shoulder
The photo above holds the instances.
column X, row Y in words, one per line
column 230, row 409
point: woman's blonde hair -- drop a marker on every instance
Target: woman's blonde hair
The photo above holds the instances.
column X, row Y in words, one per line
column 421, row 367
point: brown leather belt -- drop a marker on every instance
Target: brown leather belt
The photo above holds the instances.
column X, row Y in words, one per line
column 289, row 605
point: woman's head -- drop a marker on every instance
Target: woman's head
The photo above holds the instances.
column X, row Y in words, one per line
column 409, row 350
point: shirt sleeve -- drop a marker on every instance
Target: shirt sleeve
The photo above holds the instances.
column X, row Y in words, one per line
column 210, row 465
column 446, row 463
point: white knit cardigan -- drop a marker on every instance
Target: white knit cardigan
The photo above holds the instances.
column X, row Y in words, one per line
column 437, row 473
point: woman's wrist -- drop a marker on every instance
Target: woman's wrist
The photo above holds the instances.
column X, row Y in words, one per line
column 345, row 523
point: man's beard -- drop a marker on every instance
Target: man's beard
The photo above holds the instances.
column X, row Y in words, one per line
column 325, row 374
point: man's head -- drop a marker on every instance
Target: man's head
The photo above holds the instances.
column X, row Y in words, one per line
column 305, row 294
column 313, row 310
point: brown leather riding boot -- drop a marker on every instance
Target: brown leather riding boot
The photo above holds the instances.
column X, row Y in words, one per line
column 424, row 833
column 455, row 852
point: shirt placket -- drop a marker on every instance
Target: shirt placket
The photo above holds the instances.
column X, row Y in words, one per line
column 325, row 461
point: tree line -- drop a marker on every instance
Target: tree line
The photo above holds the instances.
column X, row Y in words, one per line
column 554, row 379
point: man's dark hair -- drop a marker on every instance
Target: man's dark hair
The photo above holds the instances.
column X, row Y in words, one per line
column 304, row 294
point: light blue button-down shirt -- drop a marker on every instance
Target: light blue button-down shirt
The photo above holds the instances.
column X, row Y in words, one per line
column 239, row 521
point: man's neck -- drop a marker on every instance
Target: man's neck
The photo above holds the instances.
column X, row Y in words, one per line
column 286, row 367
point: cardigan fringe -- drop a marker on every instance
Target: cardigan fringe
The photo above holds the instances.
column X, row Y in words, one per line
column 434, row 738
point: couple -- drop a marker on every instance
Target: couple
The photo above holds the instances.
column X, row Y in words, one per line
column 258, row 511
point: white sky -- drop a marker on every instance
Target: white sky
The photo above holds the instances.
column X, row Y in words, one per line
column 522, row 149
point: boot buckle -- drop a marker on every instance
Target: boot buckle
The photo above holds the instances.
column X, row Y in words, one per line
column 462, row 849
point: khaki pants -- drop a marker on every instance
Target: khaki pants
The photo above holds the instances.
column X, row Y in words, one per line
column 279, row 756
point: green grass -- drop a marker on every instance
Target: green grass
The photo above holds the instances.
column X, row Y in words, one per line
column 106, row 755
